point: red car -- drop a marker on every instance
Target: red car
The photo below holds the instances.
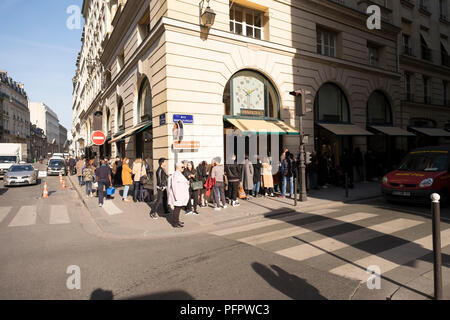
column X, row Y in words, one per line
column 421, row 173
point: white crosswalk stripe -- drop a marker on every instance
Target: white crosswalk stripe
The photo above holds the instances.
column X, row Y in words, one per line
column 306, row 251
column 25, row 217
column 392, row 258
column 4, row 211
column 59, row 215
column 293, row 231
column 270, row 222
column 111, row 208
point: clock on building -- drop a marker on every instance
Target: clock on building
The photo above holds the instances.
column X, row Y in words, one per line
column 248, row 94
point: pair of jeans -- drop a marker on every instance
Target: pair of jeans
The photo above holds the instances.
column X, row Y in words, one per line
column 218, row 187
column 161, row 199
column 125, row 191
column 138, row 194
column 88, row 187
column 234, row 188
column 80, row 180
column 291, row 186
column 102, row 186
column 256, row 188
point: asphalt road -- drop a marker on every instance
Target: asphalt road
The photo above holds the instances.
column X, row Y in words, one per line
column 253, row 262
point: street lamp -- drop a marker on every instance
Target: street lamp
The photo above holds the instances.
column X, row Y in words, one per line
column 206, row 16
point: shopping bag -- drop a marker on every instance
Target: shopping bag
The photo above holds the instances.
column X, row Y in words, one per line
column 241, row 192
column 110, row 191
column 95, row 185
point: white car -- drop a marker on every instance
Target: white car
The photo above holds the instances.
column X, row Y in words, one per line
column 20, row 174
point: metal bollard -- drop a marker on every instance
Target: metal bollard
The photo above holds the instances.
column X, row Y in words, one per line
column 346, row 184
column 436, row 215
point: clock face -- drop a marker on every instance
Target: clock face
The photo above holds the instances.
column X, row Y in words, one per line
column 248, row 94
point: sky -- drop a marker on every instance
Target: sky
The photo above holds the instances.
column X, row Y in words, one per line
column 40, row 51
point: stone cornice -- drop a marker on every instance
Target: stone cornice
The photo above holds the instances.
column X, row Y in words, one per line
column 424, row 65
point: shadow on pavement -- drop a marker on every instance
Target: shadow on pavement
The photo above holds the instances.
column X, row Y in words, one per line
column 100, row 294
column 287, row 283
column 3, row 191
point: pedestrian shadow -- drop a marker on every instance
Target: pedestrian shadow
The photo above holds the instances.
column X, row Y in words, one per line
column 3, row 191
column 100, row 294
column 287, row 283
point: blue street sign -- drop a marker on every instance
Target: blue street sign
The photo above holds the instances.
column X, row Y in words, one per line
column 186, row 118
column 162, row 119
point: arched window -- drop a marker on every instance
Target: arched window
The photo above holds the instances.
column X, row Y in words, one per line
column 144, row 107
column 249, row 93
column 120, row 116
column 331, row 105
column 378, row 109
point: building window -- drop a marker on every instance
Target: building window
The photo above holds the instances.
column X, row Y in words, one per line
column 409, row 96
column 246, row 22
column 108, row 122
column 426, row 52
column 144, row 107
column 120, row 60
column 445, row 59
column 406, row 44
column 331, row 104
column 378, row 109
column 251, row 94
column 374, row 56
column 443, row 9
column 326, row 42
column 445, row 93
column 120, row 116
column 426, row 90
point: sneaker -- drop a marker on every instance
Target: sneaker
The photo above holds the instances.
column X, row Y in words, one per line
column 188, row 213
column 272, row 195
column 100, row 205
column 217, row 209
column 195, row 213
column 153, row 216
column 225, row 206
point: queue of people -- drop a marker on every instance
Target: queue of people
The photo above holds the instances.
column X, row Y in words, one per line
column 190, row 187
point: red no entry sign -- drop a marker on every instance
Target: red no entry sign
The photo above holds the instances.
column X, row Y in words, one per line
column 98, row 138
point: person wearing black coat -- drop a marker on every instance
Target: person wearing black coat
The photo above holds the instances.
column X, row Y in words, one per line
column 161, row 186
column 202, row 175
column 257, row 177
column 191, row 175
column 233, row 172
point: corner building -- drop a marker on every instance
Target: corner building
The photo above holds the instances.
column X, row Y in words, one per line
column 159, row 64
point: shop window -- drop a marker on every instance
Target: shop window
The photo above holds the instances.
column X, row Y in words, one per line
column 249, row 93
column 247, row 22
column 331, row 104
column 144, row 108
column 326, row 42
column 379, row 109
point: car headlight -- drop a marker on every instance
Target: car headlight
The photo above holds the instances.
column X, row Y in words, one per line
column 426, row 183
column 385, row 180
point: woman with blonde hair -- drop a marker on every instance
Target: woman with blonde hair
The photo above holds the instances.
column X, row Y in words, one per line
column 126, row 178
column 139, row 172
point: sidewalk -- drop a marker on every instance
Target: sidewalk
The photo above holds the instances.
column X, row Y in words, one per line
column 131, row 220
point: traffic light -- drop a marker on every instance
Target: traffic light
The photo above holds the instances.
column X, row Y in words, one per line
column 300, row 101
column 307, row 157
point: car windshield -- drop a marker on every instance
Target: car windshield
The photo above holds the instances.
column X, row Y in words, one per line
column 7, row 159
column 425, row 161
column 54, row 163
column 20, row 168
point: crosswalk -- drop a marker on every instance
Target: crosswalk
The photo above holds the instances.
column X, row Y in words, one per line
column 29, row 215
column 341, row 242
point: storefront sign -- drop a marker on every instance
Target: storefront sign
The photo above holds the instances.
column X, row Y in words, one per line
column 186, row 118
column 162, row 119
column 180, row 145
column 250, row 112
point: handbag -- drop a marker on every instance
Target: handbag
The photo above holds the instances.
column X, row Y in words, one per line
column 110, row 191
column 143, row 179
column 196, row 185
column 241, row 192
column 209, row 184
column 95, row 185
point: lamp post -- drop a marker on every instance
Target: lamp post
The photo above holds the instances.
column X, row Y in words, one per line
column 207, row 16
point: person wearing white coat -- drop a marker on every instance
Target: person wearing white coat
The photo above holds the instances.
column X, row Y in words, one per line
column 178, row 194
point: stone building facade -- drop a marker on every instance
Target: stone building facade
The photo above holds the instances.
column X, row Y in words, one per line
column 158, row 63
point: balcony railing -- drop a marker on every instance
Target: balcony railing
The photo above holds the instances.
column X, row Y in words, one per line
column 427, row 54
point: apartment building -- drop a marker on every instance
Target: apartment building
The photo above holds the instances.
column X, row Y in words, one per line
column 14, row 112
column 425, row 67
column 160, row 62
column 45, row 118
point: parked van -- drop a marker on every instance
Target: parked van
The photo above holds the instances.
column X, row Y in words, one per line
column 421, row 173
